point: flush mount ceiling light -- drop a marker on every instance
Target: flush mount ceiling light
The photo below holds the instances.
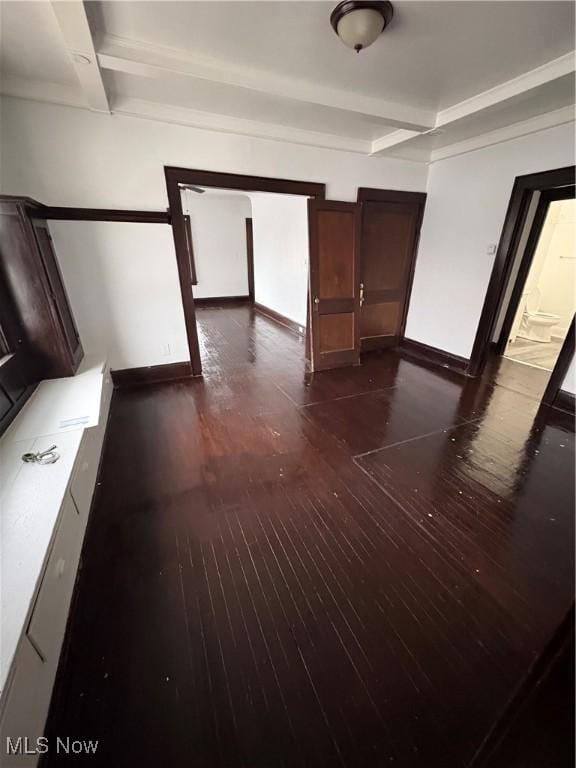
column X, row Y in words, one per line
column 358, row 23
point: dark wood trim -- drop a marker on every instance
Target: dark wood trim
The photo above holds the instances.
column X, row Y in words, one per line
column 28, row 202
column 151, row 374
column 188, row 227
column 100, row 214
column 434, row 355
column 308, row 344
column 185, row 273
column 565, row 401
column 514, row 222
column 561, row 641
column 36, row 210
column 200, row 178
column 561, row 193
column 375, row 343
column 365, row 194
column 215, row 300
column 271, row 314
column 250, row 257
column 175, row 177
column 565, row 357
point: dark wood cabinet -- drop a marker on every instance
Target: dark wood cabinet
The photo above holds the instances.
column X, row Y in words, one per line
column 66, row 334
column 38, row 335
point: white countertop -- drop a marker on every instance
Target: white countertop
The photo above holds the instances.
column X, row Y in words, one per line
column 61, row 405
column 31, row 495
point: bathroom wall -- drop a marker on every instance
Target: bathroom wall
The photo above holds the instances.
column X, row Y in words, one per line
column 557, row 281
column 553, row 270
column 538, row 260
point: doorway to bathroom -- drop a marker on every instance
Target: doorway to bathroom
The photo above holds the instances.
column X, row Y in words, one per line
column 543, row 301
column 527, row 323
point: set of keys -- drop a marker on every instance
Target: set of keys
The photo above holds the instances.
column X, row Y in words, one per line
column 49, row 456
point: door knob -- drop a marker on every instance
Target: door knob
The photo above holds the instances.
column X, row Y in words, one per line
column 316, row 302
column 361, row 294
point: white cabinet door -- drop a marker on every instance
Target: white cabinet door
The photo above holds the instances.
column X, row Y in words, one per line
column 88, row 460
column 26, row 707
column 48, row 622
column 86, row 469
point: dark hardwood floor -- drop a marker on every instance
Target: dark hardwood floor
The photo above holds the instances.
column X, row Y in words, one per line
column 352, row 568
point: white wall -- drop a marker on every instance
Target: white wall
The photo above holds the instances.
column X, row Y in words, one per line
column 67, row 156
column 465, row 210
column 280, row 227
column 219, row 239
column 120, row 278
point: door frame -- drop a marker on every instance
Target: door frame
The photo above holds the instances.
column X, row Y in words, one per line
column 250, row 258
column 369, row 194
column 175, row 176
column 522, row 192
column 546, row 197
column 554, row 395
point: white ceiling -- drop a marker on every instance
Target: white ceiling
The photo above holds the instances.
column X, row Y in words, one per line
column 32, row 45
column 277, row 69
column 419, row 59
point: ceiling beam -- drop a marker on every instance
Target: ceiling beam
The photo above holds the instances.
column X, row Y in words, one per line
column 534, row 78
column 211, row 121
column 71, row 17
column 381, row 145
column 53, row 93
column 153, row 61
column 476, row 105
column 507, row 133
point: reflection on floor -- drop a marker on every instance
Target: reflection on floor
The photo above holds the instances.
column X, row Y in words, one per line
column 352, row 568
column 537, row 353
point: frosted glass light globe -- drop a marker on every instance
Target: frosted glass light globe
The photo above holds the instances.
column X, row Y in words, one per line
column 360, row 28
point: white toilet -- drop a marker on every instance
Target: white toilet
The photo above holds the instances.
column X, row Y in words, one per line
column 535, row 325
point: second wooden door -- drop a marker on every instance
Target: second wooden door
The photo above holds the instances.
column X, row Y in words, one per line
column 390, row 228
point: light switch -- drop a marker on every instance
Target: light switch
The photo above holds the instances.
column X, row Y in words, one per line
column 491, row 249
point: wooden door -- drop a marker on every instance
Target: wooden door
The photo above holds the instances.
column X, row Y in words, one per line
column 389, row 239
column 334, row 283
